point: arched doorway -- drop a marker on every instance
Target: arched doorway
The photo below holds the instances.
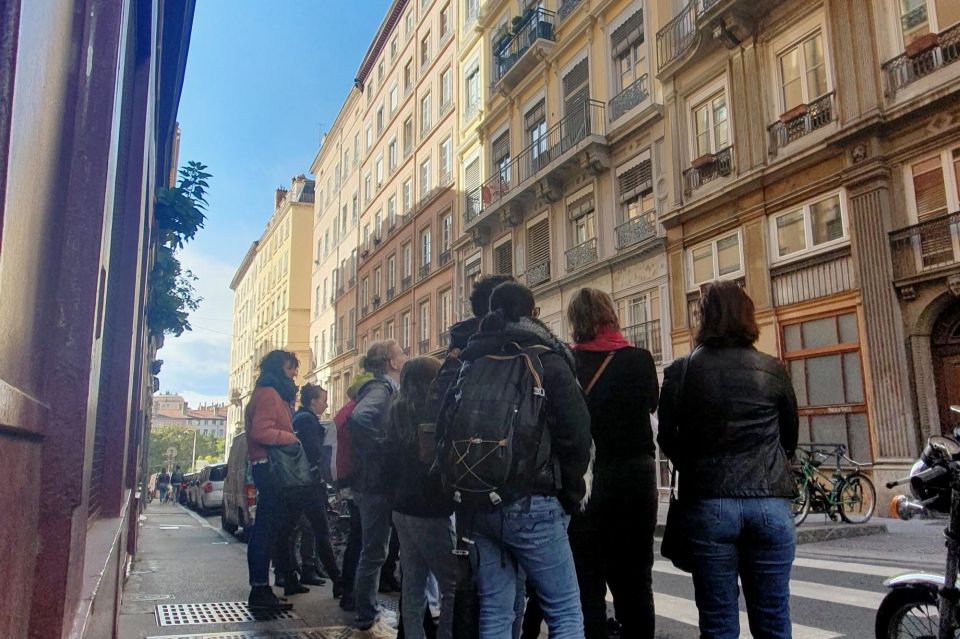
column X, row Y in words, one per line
column 945, row 348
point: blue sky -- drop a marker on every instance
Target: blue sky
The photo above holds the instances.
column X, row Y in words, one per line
column 263, row 79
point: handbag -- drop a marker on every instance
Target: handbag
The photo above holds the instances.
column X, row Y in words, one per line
column 676, row 545
column 289, row 467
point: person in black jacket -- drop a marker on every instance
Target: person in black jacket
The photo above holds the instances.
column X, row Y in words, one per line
column 612, row 540
column 312, row 503
column 728, row 422
column 421, row 512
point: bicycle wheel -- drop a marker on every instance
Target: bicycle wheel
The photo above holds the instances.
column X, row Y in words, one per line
column 908, row 613
column 856, row 499
column 801, row 503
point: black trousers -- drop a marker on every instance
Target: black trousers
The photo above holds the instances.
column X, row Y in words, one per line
column 351, row 555
column 313, row 506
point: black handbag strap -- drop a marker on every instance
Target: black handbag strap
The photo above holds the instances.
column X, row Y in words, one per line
column 677, row 396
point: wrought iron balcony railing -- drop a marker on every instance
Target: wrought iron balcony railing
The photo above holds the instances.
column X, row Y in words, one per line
column 445, row 257
column 445, row 339
column 646, row 335
column 675, row 38
column 538, row 25
column 391, row 293
column 798, row 122
column 927, row 246
column 364, row 311
column 922, row 57
column 406, row 283
column 719, row 164
column 538, row 273
column 637, row 230
column 582, row 254
column 424, row 271
column 629, row 97
column 423, row 347
column 472, row 207
column 375, row 302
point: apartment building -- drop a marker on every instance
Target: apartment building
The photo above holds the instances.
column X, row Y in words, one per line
column 820, row 171
column 243, row 362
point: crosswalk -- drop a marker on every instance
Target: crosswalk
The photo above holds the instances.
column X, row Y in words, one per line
column 829, row 599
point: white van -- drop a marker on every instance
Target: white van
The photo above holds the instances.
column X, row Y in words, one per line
column 209, row 490
column 239, row 494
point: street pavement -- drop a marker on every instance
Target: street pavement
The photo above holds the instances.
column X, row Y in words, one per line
column 836, row 585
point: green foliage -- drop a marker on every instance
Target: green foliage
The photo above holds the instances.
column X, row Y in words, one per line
column 179, row 214
column 209, row 447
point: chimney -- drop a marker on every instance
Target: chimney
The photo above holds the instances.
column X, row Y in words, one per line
column 278, row 198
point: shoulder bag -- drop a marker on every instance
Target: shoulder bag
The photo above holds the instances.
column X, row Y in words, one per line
column 289, row 467
column 676, row 543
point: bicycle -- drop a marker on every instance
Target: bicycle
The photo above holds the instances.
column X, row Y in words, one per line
column 850, row 494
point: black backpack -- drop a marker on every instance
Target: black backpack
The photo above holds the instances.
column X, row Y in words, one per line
column 492, row 426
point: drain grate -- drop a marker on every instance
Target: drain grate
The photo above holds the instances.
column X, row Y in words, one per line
column 218, row 612
column 335, row 632
column 393, row 605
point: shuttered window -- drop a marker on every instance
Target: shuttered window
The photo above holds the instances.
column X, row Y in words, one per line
column 580, row 205
column 627, row 34
column 503, row 258
column 471, row 176
column 575, row 80
column 635, row 177
column 538, row 243
column 501, row 148
column 535, row 116
column 929, row 190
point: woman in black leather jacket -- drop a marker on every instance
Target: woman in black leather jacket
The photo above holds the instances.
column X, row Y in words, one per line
column 728, row 422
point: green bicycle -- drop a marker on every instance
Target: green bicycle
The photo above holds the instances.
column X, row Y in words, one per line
column 847, row 493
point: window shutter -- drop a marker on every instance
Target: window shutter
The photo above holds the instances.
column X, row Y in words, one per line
column 580, row 206
column 627, row 34
column 635, row 179
column 538, row 242
column 929, row 190
column 503, row 258
column 471, row 176
column 501, row 147
column 578, row 76
column 535, row 115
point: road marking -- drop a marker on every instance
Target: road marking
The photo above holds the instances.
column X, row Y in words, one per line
column 808, row 590
column 685, row 611
column 848, row 566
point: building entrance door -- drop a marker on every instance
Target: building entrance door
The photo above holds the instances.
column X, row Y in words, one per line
column 946, row 365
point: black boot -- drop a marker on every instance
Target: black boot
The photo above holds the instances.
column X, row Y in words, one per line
column 262, row 598
column 388, row 583
column 279, row 579
column 347, row 602
column 292, row 586
column 311, row 577
column 337, row 588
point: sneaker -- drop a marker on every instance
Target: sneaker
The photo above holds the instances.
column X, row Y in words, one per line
column 377, row 631
column 389, row 618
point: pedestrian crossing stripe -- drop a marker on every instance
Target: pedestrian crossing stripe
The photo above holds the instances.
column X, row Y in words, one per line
column 848, row 566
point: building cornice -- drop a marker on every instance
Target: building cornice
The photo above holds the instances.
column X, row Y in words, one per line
column 379, row 42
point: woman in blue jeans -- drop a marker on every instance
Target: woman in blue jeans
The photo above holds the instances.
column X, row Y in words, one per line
column 728, row 422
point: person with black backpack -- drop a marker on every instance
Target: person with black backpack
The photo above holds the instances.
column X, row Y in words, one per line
column 514, row 452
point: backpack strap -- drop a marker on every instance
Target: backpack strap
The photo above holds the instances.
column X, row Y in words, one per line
column 596, row 376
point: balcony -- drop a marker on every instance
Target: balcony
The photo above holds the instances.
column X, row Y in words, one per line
column 922, row 57
column 423, row 347
column 707, row 169
column 444, row 339
column 582, row 254
column 629, row 98
column 406, row 283
column 538, row 273
column 636, row 230
column 364, row 311
column 472, row 207
column 647, row 336
column 574, row 144
column 424, row 272
column 800, row 121
column 926, row 249
column 515, row 58
column 445, row 257
column 674, row 39
column 375, row 302
column 566, row 8
column 391, row 293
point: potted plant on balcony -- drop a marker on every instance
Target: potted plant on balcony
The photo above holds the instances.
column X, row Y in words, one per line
column 501, row 38
column 518, row 23
column 792, row 114
column 703, row 160
column 921, row 45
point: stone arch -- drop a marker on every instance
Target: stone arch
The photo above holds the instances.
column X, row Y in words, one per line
column 920, row 345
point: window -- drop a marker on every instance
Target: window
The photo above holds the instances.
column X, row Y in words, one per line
column 471, row 10
column 445, row 88
column 407, row 195
column 472, row 88
column 535, row 122
column 393, row 99
column 355, row 211
column 583, row 229
column 389, row 330
column 367, row 188
column 626, row 45
column 392, row 155
column 369, row 137
column 324, row 298
column 717, row 259
column 503, row 257
column 316, row 302
column 380, row 72
column 425, row 114
column 711, row 132
column 424, row 324
column 425, row 50
column 377, row 274
column 446, row 232
column 405, row 331
column 409, row 18
column 920, row 17
column 425, row 177
column 393, row 49
column 392, row 272
column 407, row 256
column 392, row 211
column 501, row 158
column 445, row 158
column 343, row 220
column 471, row 189
column 803, row 72
column 810, row 227
column 444, row 22
column 379, row 171
column 425, row 248
column 407, row 136
column 408, row 76
column 366, row 235
column 823, row 358
column 933, row 188
column 365, row 292
column 380, row 120
column 446, row 310
column 538, row 252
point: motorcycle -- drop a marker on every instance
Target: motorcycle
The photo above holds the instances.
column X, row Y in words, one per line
column 924, row 605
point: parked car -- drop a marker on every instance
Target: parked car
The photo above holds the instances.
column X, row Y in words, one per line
column 239, row 494
column 209, row 490
column 191, row 489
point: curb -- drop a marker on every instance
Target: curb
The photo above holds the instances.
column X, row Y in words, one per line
column 810, row 535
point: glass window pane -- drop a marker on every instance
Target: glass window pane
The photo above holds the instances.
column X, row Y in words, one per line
column 798, row 374
column 824, row 380
column 792, row 95
column 827, row 220
column 702, row 264
column 790, row 78
column 721, row 134
column 728, row 255
column 853, row 378
column 791, row 338
column 820, row 333
column 859, row 437
column 701, row 121
column 791, row 236
column 816, row 69
column 703, row 143
column 829, row 429
column 848, row 329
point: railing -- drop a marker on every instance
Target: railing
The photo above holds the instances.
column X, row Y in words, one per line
column 470, row 111
column 675, row 38
column 646, row 335
column 445, row 257
column 720, row 165
column 927, row 246
column 567, row 7
column 444, row 339
column 637, row 230
column 446, row 179
column 558, row 140
column 406, row 283
column 350, row 343
column 424, row 271
column 539, row 25
column 922, row 58
column 364, row 310
column 340, row 291
column 391, row 293
column 472, row 206
column 423, row 346
column 353, row 281
column 582, row 254
column 629, row 97
column 804, row 120
column 375, row 302
column 538, row 273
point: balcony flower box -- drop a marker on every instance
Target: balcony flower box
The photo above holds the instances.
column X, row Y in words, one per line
column 921, row 45
column 703, row 160
column 796, row 112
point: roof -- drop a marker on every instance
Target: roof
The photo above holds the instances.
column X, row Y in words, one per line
column 380, row 41
column 244, row 265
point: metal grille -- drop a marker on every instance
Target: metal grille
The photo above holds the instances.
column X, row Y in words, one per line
column 217, row 612
column 333, row 632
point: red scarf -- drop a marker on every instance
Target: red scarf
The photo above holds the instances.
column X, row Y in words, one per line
column 608, row 339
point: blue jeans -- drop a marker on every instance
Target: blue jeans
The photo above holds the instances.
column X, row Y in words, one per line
column 271, row 513
column 529, row 537
column 752, row 537
column 426, row 546
column 375, row 512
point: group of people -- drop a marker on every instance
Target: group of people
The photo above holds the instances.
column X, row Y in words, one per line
column 550, row 498
column 168, row 485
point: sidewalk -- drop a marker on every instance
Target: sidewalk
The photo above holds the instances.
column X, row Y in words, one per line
column 182, row 559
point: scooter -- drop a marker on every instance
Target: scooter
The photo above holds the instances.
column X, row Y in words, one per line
column 924, row 605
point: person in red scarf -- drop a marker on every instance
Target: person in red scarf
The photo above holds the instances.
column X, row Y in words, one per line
column 612, row 541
